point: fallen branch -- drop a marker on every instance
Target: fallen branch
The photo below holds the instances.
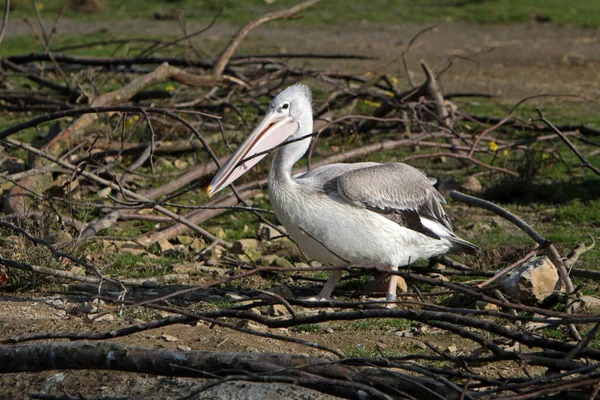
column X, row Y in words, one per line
column 118, row 188
column 568, row 143
column 118, row 357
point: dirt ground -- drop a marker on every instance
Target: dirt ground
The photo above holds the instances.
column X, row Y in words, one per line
column 509, row 62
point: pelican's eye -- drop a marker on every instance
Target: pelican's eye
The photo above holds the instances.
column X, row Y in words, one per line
column 285, row 106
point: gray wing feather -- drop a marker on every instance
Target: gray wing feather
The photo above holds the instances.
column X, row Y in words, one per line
column 328, row 172
column 389, row 187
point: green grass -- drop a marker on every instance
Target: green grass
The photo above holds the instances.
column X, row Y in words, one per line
column 380, row 324
column 581, row 13
column 361, row 351
column 309, row 328
column 140, row 266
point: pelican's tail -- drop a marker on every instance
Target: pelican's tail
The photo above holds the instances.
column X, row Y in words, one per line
column 461, row 246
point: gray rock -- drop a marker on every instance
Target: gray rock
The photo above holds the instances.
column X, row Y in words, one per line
column 244, row 246
column 167, row 338
column 588, row 303
column 472, row 184
column 267, row 232
column 532, row 282
column 278, row 310
column 380, row 284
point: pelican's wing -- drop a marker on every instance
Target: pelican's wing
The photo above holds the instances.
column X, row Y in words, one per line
column 395, row 188
column 328, row 172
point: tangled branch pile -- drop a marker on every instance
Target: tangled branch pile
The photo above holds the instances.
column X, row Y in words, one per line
column 138, row 138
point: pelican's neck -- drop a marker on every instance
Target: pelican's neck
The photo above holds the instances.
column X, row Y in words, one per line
column 288, row 155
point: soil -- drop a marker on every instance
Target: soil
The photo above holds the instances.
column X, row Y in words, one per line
column 509, row 62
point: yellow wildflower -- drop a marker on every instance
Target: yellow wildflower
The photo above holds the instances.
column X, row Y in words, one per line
column 493, row 146
column 170, row 88
column 505, row 152
column 131, row 121
column 368, row 74
column 394, row 80
column 371, row 103
column 545, row 156
column 39, row 6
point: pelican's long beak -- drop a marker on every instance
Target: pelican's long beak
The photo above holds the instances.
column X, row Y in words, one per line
column 272, row 131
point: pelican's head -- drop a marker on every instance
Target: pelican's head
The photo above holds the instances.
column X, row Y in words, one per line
column 289, row 116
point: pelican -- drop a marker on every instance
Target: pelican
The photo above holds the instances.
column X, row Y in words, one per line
column 385, row 215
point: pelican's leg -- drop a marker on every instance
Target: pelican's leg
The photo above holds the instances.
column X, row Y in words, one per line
column 334, row 278
column 393, row 285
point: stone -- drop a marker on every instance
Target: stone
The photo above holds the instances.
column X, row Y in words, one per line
column 380, row 284
column 283, row 291
column 103, row 318
column 440, row 277
column 180, row 164
column 215, row 252
column 232, row 296
column 178, row 249
column 168, row 338
column 77, row 270
column 165, row 245
column 184, row 239
column 532, row 282
column 103, row 193
column 484, row 305
column 472, row 185
column 66, row 182
column 267, row 260
column 184, row 268
column 132, row 248
column 302, row 265
column 282, row 263
column 197, row 244
column 267, row 232
column 588, row 303
column 243, row 246
column 55, row 237
column 85, row 308
column 278, row 310
column 451, row 349
column 218, row 232
column 184, row 348
column 163, row 163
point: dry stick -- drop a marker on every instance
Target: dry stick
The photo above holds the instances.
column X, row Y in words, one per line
column 142, row 282
column 573, row 257
column 463, row 157
column 52, row 249
column 583, row 343
column 505, row 270
column 507, row 118
column 49, row 271
column 568, row 143
column 74, row 131
column 197, row 217
column 545, row 244
column 245, row 30
column 88, row 110
column 4, row 19
column 114, row 186
column 408, row 46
